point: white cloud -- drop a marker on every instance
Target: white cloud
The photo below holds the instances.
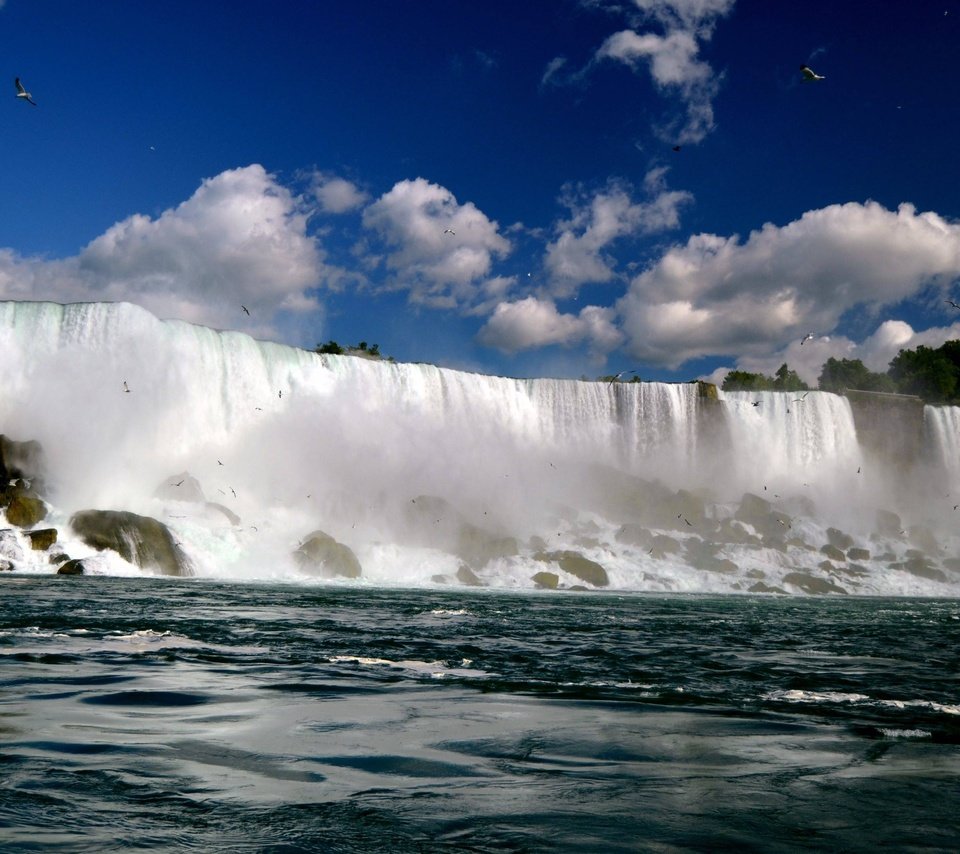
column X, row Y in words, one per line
column 337, row 195
column 577, row 255
column 439, row 269
column 532, row 322
column 718, row 295
column 673, row 58
column 240, row 239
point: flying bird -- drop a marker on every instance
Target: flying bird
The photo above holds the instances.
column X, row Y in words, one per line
column 126, row 388
column 809, row 337
column 449, row 231
column 809, row 75
column 616, row 377
column 955, row 305
column 676, row 148
column 246, row 310
column 23, row 93
column 757, row 402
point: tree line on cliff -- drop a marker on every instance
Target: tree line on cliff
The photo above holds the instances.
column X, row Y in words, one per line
column 930, row 373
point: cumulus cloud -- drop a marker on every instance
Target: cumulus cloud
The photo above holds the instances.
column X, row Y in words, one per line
column 672, row 58
column 337, row 195
column 241, row 238
column 531, row 322
column 717, row 295
column 440, row 269
column 577, row 254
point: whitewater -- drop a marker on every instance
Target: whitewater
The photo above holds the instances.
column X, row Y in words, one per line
column 431, row 476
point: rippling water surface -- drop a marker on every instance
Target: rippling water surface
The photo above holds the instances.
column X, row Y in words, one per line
column 172, row 715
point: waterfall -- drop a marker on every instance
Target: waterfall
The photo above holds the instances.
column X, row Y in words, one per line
column 417, row 469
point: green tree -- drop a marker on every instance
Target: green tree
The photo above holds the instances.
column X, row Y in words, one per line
column 330, row 347
column 931, row 374
column 839, row 374
column 745, row 381
column 787, row 380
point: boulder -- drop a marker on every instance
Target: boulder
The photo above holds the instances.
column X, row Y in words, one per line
column 5, row 565
column 833, row 551
column 634, row 534
column 42, row 539
column 888, row 524
column 923, row 567
column 320, row 554
column 838, row 538
column 812, row 584
column 578, row 565
column 858, row 554
column 760, row 587
column 25, row 511
column 21, row 460
column 141, row 540
column 71, row 567
column 468, row 577
column 546, row 580
column 180, row 487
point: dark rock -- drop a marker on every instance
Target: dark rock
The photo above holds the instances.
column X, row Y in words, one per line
column 888, row 524
column 58, row 557
column 546, row 580
column 731, row 531
column 755, row 573
column 922, row 537
column 321, row 554
column 180, row 487
column 663, row 545
column 923, row 568
column 839, row 539
column 833, row 552
column 5, row 565
column 812, row 584
column 760, row 515
column 25, row 511
column 42, row 539
column 71, row 567
column 576, row 564
column 439, row 579
column 760, row 587
column 141, row 540
column 21, row 460
column 858, row 554
column 468, row 577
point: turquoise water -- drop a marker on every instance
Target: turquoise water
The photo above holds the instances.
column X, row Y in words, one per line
column 174, row 715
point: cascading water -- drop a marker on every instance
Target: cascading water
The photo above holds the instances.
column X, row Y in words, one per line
column 430, row 475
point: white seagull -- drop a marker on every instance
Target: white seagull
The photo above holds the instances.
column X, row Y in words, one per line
column 449, row 231
column 809, row 75
column 23, row 93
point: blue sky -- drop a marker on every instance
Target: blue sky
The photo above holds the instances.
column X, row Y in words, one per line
column 306, row 160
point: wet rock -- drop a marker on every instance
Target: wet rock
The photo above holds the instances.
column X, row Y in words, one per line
column 812, row 584
column 760, row 587
column 578, row 565
column 888, row 524
column 733, row 532
column 833, row 552
column 858, row 554
column 755, row 573
column 42, row 539
column 468, row 577
column 58, row 557
column 180, row 487
column 321, row 554
column 760, row 515
column 141, row 540
column 22, row 460
column 546, row 580
column 633, row 534
column 72, row 567
column 5, row 565
column 922, row 567
column 663, row 545
column 839, row 539
column 439, row 579
column 922, row 537
column 25, row 511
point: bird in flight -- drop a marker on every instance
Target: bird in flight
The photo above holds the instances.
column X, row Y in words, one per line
column 616, row 377
column 802, row 397
column 676, row 148
column 757, row 402
column 449, row 231
column 246, row 310
column 126, row 388
column 23, row 93
column 955, row 305
column 807, row 337
column 809, row 75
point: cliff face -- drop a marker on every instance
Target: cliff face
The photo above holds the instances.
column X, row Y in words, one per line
column 889, row 427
